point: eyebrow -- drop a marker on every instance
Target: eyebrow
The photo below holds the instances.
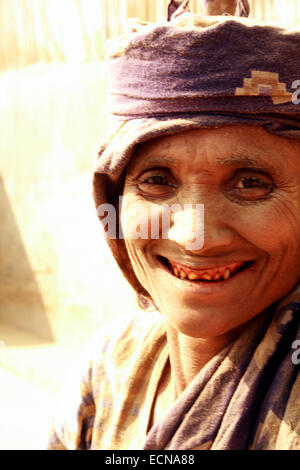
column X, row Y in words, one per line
column 155, row 161
column 243, row 161
column 240, row 159
column 160, row 160
column 237, row 161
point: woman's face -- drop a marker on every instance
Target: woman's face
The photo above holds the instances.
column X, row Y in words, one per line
column 246, row 183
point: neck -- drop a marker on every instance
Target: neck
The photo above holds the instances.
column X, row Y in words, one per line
column 189, row 355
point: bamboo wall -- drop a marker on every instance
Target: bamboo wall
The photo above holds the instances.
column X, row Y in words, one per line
column 48, row 31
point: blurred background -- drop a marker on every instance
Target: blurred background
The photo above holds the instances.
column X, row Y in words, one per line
column 58, row 282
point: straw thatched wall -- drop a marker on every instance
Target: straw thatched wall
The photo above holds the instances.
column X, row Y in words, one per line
column 75, row 30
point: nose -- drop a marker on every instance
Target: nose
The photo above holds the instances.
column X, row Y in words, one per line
column 200, row 228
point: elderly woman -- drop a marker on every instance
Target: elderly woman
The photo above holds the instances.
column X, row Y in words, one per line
column 206, row 137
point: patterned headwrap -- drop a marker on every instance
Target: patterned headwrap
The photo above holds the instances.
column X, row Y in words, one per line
column 195, row 72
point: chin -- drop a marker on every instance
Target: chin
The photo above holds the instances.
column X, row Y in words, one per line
column 207, row 322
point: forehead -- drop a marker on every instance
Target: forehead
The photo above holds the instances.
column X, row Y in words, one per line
column 249, row 146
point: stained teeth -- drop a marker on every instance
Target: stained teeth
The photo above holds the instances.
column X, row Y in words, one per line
column 226, row 274
column 182, row 275
column 192, row 276
column 206, row 277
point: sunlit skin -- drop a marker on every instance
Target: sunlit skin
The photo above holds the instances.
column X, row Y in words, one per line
column 248, row 181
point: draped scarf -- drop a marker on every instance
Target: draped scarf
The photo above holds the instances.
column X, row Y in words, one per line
column 246, row 397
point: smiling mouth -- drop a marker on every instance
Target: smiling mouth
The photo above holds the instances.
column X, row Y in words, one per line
column 217, row 274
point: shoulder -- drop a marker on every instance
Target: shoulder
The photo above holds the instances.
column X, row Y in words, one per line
column 109, row 360
column 117, row 344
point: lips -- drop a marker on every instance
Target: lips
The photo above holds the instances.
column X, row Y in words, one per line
column 213, row 274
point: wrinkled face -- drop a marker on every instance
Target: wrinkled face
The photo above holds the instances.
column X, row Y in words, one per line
column 239, row 187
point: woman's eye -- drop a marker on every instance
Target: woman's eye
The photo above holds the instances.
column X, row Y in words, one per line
column 252, row 182
column 156, row 184
column 158, row 179
column 250, row 188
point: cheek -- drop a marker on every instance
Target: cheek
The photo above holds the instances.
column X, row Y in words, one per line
column 274, row 229
column 136, row 228
column 143, row 220
column 135, row 220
